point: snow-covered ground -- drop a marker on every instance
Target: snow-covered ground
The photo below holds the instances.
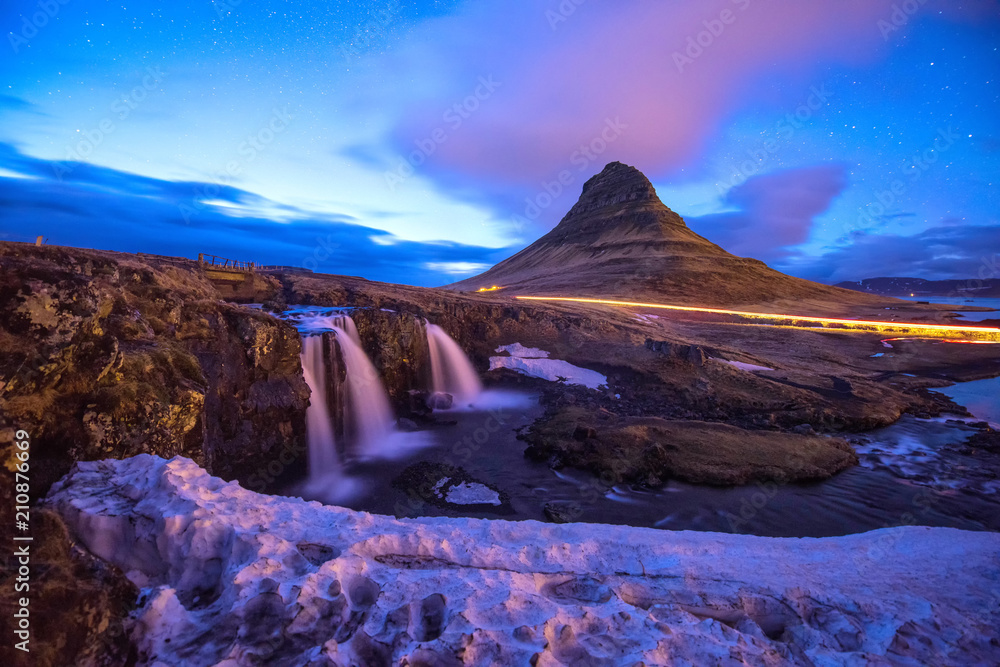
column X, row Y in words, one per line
column 231, row 577
column 536, row 363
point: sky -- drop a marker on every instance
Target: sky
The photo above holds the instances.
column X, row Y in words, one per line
column 422, row 141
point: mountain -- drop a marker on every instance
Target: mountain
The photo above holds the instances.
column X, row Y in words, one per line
column 620, row 241
column 919, row 287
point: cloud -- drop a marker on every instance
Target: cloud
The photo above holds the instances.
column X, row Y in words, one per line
column 775, row 211
column 564, row 69
column 97, row 207
column 938, row 253
column 11, row 103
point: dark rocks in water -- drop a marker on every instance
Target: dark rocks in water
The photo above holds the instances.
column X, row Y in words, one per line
column 647, row 450
column 441, row 485
column 405, row 424
column 80, row 604
column 987, row 439
column 440, row 400
column 562, row 511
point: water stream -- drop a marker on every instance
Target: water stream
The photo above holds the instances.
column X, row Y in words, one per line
column 912, row 472
column 451, row 371
column 916, row 471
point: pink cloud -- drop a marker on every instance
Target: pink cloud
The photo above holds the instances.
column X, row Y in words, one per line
column 561, row 80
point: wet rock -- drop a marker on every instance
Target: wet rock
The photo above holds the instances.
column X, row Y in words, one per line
column 451, row 487
column 405, row 424
column 562, row 511
column 440, row 401
column 639, row 449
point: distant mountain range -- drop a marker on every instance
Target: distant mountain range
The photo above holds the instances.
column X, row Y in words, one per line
column 919, row 287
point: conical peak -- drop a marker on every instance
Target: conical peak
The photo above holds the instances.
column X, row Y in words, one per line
column 616, row 184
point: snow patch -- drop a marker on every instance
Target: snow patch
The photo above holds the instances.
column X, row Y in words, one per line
column 518, row 350
column 233, row 577
column 534, row 362
column 470, row 493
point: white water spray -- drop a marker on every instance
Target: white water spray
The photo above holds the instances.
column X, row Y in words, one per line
column 451, row 371
column 323, row 459
column 366, row 404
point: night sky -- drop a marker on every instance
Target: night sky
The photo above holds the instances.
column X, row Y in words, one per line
column 421, row 142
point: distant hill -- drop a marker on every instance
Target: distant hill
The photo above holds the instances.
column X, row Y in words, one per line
column 919, row 287
column 620, row 241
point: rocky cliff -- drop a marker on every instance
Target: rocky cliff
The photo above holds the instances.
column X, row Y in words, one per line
column 106, row 356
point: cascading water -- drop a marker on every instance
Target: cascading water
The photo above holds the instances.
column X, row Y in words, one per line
column 323, row 459
column 366, row 410
column 363, row 417
column 451, row 371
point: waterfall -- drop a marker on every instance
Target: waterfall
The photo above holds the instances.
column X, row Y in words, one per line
column 366, row 404
column 451, row 371
column 356, row 411
column 323, row 457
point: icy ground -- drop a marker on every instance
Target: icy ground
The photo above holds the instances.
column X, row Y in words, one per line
column 534, row 362
column 231, row 577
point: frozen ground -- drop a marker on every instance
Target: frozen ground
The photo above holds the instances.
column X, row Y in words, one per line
column 536, row 363
column 231, row 577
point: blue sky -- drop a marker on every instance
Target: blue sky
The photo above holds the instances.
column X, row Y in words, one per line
column 420, row 142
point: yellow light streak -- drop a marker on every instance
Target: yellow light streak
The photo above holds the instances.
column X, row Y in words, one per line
column 985, row 333
column 489, row 289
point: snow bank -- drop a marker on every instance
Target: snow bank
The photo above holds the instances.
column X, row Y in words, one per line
column 535, row 363
column 232, row 577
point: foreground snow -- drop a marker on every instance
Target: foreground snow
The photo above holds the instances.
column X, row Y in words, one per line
column 233, row 577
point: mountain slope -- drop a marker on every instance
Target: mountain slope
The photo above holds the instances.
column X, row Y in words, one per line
column 620, row 241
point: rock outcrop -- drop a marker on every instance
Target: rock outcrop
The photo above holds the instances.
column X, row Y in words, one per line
column 106, row 356
column 80, row 605
column 233, row 577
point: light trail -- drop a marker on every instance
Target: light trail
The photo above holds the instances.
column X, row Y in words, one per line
column 981, row 333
